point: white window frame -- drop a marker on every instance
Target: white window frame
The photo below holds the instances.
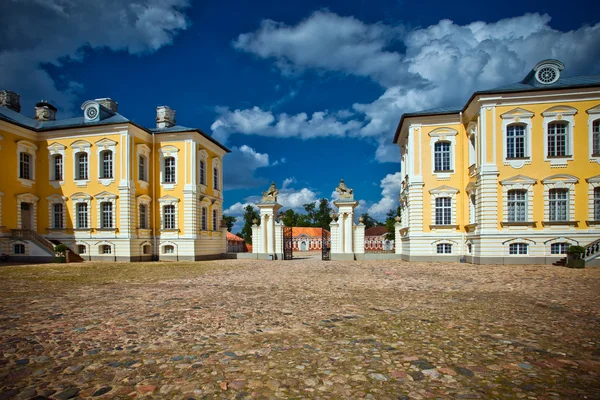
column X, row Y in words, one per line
column 472, row 194
column 54, row 150
column 593, row 183
column 19, row 243
column 168, row 243
column 169, row 221
column 443, row 191
column 147, row 201
column 78, row 198
column 445, row 155
column 168, row 151
column 519, row 246
column 472, row 138
column 143, row 151
column 517, row 116
column 593, row 115
column 443, row 134
column 215, row 219
column 204, row 218
column 453, row 247
column 560, row 181
column 202, row 158
column 81, row 146
column 32, row 199
column 52, row 200
column 216, row 166
column 560, row 114
column 518, row 182
column 24, row 146
column 106, row 197
column 515, row 203
column 169, row 200
column 78, row 247
column 106, row 145
column 445, row 246
column 106, row 245
column 549, row 243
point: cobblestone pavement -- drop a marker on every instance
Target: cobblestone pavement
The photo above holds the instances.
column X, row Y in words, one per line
column 299, row 329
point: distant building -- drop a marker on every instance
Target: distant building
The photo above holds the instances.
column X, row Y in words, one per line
column 376, row 240
column 307, row 239
column 235, row 244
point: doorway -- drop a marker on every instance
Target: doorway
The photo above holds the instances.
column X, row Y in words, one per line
column 26, row 220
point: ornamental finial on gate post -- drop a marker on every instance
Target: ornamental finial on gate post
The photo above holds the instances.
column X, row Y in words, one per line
column 270, row 196
column 343, row 191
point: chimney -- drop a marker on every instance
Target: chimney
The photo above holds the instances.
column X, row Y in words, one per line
column 165, row 117
column 10, row 100
column 108, row 103
column 45, row 111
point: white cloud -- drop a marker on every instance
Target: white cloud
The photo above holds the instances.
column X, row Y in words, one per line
column 390, row 190
column 441, row 64
column 35, row 32
column 240, row 168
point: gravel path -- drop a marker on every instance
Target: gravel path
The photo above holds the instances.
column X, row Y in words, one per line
column 299, row 329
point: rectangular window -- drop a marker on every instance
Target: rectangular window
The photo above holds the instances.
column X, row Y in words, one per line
column 106, row 249
column 442, row 156
column 557, row 139
column 216, row 178
column 107, row 164
column 107, row 216
column 82, row 166
column 81, row 249
column 202, row 173
column 142, row 170
column 596, row 137
column 57, row 216
column 559, row 205
column 515, row 141
column 518, row 248
column 444, row 248
column 214, row 221
column 517, row 206
column 24, row 166
column 443, row 211
column 19, row 249
column 143, row 217
column 204, row 222
column 169, row 217
column 559, row 248
column 82, row 215
column 472, row 209
column 58, row 168
column 597, row 204
column 170, row 170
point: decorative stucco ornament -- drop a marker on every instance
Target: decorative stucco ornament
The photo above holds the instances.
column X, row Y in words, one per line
column 271, row 194
column 343, row 191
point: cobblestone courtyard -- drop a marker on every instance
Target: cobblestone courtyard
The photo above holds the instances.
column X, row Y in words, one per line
column 299, row 329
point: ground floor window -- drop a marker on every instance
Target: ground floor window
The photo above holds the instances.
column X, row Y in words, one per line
column 105, row 249
column 19, row 249
column 146, row 249
column 469, row 248
column 81, row 249
column 168, row 249
column 444, row 248
column 518, row 248
column 559, row 248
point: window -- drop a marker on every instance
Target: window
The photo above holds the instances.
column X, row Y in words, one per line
column 24, row 166
column 202, row 173
column 142, row 169
column 216, row 178
column 204, row 217
column 169, row 169
column 596, row 137
column 472, row 209
column 443, row 211
column 81, row 249
column 57, row 216
column 168, row 249
column 559, row 248
column 82, row 166
column 515, row 141
column 214, row 220
column 557, row 139
column 143, row 216
column 469, row 248
column 146, row 249
column 169, row 217
column 518, row 248
column 444, row 248
column 58, row 168
column 517, row 206
column 82, row 215
column 442, row 156
column 559, row 205
column 107, row 222
column 105, row 249
column 597, row 204
column 106, row 169
column 19, row 249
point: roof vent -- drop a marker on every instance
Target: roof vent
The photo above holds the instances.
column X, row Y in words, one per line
column 10, row 99
column 547, row 72
column 165, row 117
column 45, row 111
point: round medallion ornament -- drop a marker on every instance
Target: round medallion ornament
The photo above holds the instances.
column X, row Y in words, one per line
column 91, row 112
column 547, row 75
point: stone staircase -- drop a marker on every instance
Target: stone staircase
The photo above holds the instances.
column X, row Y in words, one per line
column 43, row 243
column 592, row 251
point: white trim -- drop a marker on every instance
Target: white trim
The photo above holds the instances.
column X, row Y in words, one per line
column 560, row 113
column 444, row 191
column 142, row 150
column 81, row 146
column 54, row 150
column 453, row 247
column 102, row 146
column 169, row 243
column 165, row 201
column 593, row 183
column 472, row 138
column 106, row 197
column 561, row 239
column 82, row 198
column 216, row 164
column 31, row 199
column 202, row 157
column 24, row 146
column 517, row 116
column 593, row 115
column 52, row 200
column 443, row 134
column 560, row 181
column 168, row 151
column 147, row 201
column 518, row 182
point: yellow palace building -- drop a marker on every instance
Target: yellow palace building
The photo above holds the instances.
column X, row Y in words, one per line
column 511, row 177
column 106, row 187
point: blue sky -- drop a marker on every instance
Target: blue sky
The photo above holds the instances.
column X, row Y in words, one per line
column 304, row 93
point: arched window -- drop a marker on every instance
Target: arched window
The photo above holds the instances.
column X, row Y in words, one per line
column 106, row 209
column 204, row 219
column 597, row 204
column 169, row 216
column 596, row 137
column 106, row 168
column 517, row 206
column 518, row 248
column 82, row 215
column 81, row 249
column 202, row 172
column 168, row 249
column 515, row 141
column 442, row 156
column 558, row 143
column 143, row 216
column 82, row 166
column 24, row 166
column 216, row 178
column 146, row 249
column 559, row 204
column 559, row 248
column 57, row 216
column 57, row 171
column 214, row 220
column 443, row 211
column 170, row 170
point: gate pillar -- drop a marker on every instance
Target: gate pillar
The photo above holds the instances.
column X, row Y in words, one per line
column 342, row 231
column 269, row 232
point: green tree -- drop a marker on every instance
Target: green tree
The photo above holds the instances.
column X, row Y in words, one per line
column 303, row 220
column 229, row 221
column 391, row 221
column 310, row 213
column 370, row 221
column 323, row 214
column 249, row 214
column 290, row 218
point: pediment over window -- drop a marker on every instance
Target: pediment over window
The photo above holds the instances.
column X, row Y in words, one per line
column 56, row 198
column 105, row 195
column 517, row 113
column 560, row 178
column 204, row 199
column 80, row 144
column 519, row 240
column 444, row 131
column 203, row 154
column 143, row 148
column 81, row 196
column 167, row 150
column 168, row 199
column 562, row 239
column 26, row 144
column 144, row 198
column 519, row 180
column 443, row 190
column 559, row 110
column 594, row 110
column 442, row 241
column 593, row 179
column 28, row 198
column 56, row 147
column 106, row 143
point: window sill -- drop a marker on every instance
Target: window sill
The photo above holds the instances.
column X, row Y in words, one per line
column 56, row 230
column 445, row 171
column 470, row 227
column 82, row 229
column 443, row 226
column 106, row 229
column 106, row 181
column 81, row 182
column 170, row 230
column 517, row 223
column 564, row 223
column 56, row 183
column 26, row 182
column 143, row 184
column 168, row 185
column 593, row 222
column 559, row 157
column 517, row 158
